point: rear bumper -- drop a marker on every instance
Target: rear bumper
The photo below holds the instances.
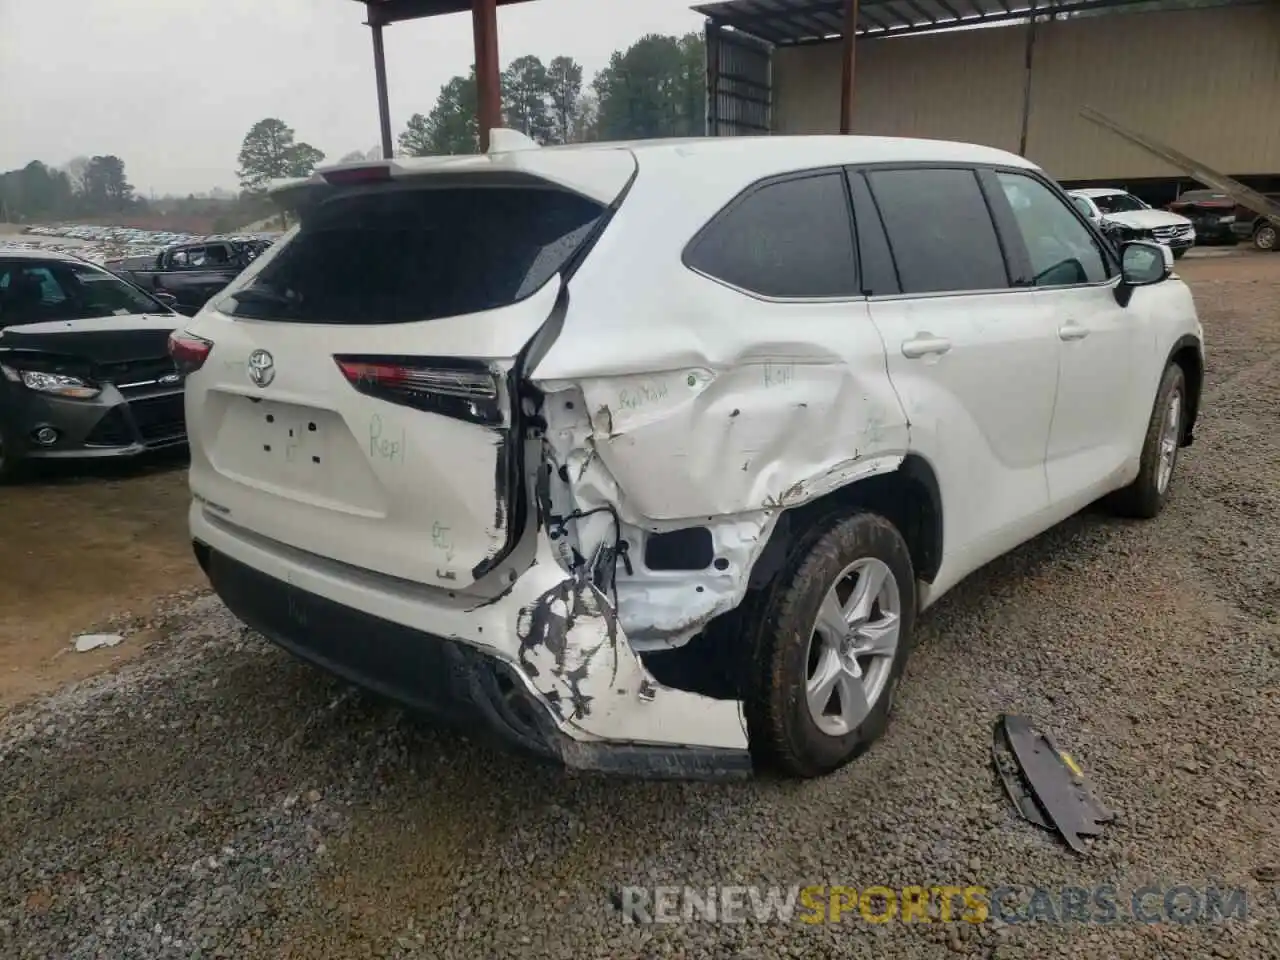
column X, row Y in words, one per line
column 543, row 668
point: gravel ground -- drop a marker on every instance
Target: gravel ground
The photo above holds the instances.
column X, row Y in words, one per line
column 216, row 799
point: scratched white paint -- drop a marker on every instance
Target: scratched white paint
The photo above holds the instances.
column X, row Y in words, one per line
column 619, row 698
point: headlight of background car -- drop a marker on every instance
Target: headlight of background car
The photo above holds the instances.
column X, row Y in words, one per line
column 1228, row 218
column 59, row 384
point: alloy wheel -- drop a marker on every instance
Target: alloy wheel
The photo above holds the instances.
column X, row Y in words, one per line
column 1169, row 441
column 852, row 646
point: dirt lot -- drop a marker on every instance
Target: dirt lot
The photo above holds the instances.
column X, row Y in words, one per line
column 80, row 549
column 212, row 797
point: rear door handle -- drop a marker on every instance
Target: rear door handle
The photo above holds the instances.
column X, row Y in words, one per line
column 924, row 344
column 1072, row 331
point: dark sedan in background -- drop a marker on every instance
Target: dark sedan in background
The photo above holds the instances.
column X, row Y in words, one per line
column 84, row 363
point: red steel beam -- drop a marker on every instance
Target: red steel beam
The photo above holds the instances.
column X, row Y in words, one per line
column 846, row 73
column 484, row 24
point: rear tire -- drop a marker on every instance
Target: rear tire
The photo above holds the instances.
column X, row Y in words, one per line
column 1265, row 238
column 825, row 669
column 1147, row 495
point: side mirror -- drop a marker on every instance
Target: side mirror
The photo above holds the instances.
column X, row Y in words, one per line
column 1142, row 264
column 168, row 299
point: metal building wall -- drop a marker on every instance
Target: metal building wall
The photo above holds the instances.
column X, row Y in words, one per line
column 739, row 70
column 1204, row 81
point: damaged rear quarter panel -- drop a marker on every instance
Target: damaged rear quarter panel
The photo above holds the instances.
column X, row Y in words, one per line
column 705, row 405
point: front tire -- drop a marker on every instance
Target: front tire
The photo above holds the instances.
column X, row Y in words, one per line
column 1180, row 253
column 836, row 633
column 1147, row 495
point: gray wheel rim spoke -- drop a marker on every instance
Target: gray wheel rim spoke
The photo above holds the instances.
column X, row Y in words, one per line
column 1168, row 450
column 824, row 680
column 858, row 607
column 854, row 639
column 832, row 623
column 879, row 639
column 853, row 700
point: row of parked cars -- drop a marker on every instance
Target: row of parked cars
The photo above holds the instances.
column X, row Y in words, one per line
column 94, row 232
column 647, row 461
column 1218, row 218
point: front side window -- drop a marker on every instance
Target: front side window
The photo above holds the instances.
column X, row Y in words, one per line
column 940, row 230
column 791, row 239
column 1061, row 249
column 1118, row 203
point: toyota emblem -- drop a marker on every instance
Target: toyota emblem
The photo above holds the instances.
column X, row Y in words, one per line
column 262, row 368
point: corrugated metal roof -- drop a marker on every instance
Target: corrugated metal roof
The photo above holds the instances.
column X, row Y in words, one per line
column 394, row 11
column 791, row 22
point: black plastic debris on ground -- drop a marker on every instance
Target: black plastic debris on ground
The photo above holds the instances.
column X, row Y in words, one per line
column 1046, row 786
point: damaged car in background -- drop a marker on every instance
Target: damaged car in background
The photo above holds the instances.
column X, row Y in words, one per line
column 645, row 457
column 85, row 370
column 1123, row 217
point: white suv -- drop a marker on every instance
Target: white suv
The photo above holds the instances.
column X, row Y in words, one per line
column 647, row 455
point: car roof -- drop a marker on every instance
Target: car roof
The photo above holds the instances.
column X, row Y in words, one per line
column 1101, row 192
column 738, row 158
column 26, row 253
column 818, row 149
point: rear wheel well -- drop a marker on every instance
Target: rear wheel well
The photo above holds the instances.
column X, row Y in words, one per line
column 908, row 497
column 713, row 663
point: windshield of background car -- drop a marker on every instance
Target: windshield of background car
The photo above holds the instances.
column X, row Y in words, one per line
column 1118, row 203
column 403, row 254
column 35, row 291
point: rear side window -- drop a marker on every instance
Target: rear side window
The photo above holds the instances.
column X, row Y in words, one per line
column 402, row 255
column 940, row 230
column 792, row 238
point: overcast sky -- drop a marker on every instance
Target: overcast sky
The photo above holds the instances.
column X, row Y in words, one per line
column 172, row 86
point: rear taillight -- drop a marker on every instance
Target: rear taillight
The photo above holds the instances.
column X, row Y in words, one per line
column 463, row 389
column 189, row 352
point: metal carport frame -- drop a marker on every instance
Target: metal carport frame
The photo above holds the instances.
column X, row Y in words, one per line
column 764, row 24
column 484, row 26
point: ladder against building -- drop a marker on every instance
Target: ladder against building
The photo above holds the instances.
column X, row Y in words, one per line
column 1245, row 196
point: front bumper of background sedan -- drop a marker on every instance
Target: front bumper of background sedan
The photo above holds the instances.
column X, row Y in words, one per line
column 49, row 427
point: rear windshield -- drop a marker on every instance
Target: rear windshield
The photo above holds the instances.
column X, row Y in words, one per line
column 400, row 255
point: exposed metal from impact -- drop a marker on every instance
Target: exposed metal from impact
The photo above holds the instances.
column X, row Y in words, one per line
column 380, row 76
column 484, row 24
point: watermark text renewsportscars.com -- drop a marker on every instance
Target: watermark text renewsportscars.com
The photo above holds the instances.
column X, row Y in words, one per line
column 1009, row 903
